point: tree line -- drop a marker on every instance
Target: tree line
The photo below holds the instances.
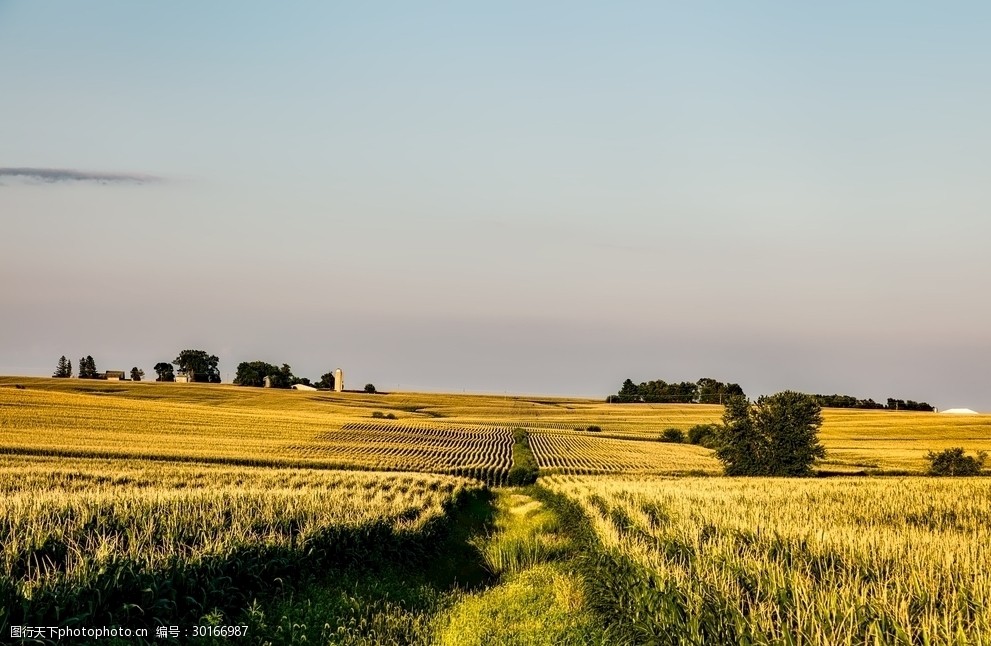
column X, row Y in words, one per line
column 704, row 391
column 203, row 367
column 711, row 391
column 848, row 401
column 87, row 369
column 197, row 365
column 253, row 373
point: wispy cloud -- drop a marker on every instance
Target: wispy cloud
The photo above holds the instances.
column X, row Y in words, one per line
column 60, row 175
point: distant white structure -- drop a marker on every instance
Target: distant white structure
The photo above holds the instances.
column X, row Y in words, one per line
column 267, row 381
column 302, row 387
column 960, row 411
column 183, row 378
column 339, row 381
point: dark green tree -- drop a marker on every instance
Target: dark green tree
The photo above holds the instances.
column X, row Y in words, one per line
column 326, row 381
column 706, row 435
column 199, row 366
column 283, row 377
column 164, row 371
column 370, row 388
column 775, row 436
column 629, row 392
column 712, row 391
column 87, row 368
column 953, row 462
column 137, row 374
column 63, row 369
column 253, row 373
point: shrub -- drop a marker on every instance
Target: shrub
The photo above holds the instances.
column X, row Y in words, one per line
column 953, row 462
column 390, row 416
column 378, row 415
column 520, row 476
column 524, row 470
column 706, row 435
column 594, row 429
column 674, row 435
column 370, row 388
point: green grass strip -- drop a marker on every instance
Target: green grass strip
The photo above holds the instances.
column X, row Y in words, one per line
column 524, row 471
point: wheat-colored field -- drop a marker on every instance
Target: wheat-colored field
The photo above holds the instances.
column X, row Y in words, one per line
column 816, row 562
column 250, row 425
column 149, row 495
column 137, row 539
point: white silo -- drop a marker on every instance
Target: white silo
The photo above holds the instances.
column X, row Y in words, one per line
column 339, row 380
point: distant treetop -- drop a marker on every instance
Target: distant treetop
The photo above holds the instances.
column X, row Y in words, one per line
column 704, row 391
column 199, row 366
column 848, row 401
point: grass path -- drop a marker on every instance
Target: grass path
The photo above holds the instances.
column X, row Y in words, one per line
column 538, row 599
column 507, row 577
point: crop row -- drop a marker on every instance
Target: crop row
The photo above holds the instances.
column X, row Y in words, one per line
column 485, row 453
column 578, row 453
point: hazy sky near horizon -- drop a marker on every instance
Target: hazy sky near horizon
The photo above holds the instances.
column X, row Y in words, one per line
column 507, row 197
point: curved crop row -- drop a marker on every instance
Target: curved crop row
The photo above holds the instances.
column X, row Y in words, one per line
column 579, row 453
column 478, row 452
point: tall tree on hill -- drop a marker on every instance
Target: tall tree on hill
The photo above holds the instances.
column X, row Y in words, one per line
column 774, row 436
column 629, row 392
column 164, row 371
column 199, row 365
column 137, row 374
column 87, row 368
column 63, row 369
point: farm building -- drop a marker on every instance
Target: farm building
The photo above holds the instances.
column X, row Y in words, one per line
column 113, row 375
column 302, row 387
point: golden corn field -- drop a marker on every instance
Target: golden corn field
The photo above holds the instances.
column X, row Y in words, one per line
column 576, row 453
column 177, row 538
column 231, row 424
column 140, row 501
column 772, row 561
column 482, row 452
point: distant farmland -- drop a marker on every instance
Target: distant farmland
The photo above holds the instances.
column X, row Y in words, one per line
column 314, row 515
column 433, row 432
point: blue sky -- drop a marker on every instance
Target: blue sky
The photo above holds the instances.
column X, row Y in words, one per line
column 520, row 197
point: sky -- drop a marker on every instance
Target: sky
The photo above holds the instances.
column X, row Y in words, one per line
column 509, row 197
